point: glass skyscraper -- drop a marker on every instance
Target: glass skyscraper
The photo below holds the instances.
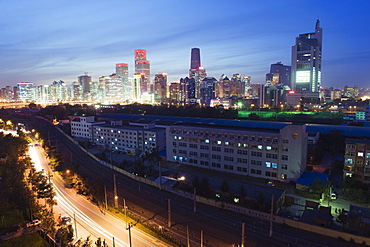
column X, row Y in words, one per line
column 306, row 61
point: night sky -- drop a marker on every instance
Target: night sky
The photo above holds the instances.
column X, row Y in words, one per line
column 46, row 40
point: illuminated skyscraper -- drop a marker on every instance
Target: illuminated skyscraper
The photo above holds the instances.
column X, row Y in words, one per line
column 85, row 81
column 237, row 86
column 306, row 61
column 142, row 66
column 113, row 88
column 160, row 88
column 196, row 72
column 24, row 90
column 207, row 90
column 279, row 74
column 122, row 71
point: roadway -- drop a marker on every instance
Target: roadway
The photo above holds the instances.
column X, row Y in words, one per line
column 88, row 220
column 219, row 227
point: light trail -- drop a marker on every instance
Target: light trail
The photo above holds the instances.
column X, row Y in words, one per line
column 89, row 219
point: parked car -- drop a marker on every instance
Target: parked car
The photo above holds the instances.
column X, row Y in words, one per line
column 270, row 183
column 333, row 196
column 66, row 220
column 35, row 222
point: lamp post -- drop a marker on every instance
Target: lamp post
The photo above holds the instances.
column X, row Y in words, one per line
column 125, row 209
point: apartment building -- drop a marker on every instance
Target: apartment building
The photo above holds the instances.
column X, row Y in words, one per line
column 357, row 159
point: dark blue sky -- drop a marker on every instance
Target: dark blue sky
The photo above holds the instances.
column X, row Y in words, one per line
column 46, row 40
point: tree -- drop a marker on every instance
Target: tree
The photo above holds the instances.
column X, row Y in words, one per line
column 318, row 186
column 242, row 192
column 260, row 200
column 224, row 186
column 205, row 187
column 65, row 235
column 253, row 116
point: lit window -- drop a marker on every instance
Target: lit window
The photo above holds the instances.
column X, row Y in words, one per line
column 219, row 142
column 268, row 147
column 259, row 147
column 206, row 140
column 360, row 154
column 268, row 164
column 226, row 143
column 274, row 165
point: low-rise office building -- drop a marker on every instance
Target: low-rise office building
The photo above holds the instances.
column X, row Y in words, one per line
column 81, row 127
column 131, row 139
column 273, row 151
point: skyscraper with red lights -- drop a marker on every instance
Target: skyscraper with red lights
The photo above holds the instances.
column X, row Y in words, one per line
column 142, row 66
column 196, row 72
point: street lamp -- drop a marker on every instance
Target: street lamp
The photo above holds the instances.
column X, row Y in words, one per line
column 116, row 201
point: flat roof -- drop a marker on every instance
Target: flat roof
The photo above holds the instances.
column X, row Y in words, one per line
column 349, row 131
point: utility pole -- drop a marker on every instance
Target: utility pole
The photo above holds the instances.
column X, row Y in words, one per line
column 187, row 236
column 160, row 175
column 243, row 233
column 125, row 208
column 74, row 219
column 115, row 191
column 169, row 213
column 106, row 199
column 195, row 200
column 271, row 214
column 129, row 233
column 201, row 238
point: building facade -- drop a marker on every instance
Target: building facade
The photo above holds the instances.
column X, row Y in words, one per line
column 131, row 139
column 160, row 88
column 306, row 61
column 357, row 159
column 278, row 153
column 142, row 66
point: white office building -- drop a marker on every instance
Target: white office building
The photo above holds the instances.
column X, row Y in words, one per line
column 273, row 152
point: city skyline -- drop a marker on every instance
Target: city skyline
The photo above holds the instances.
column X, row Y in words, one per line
column 50, row 41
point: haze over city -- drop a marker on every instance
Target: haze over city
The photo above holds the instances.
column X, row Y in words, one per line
column 43, row 41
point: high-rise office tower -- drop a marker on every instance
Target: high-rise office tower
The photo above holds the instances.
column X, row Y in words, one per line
column 160, row 88
column 279, row 74
column 196, row 72
column 142, row 66
column 224, row 88
column 306, row 61
column 122, row 71
column 237, row 86
column 85, row 81
column 207, row 90
column 113, row 88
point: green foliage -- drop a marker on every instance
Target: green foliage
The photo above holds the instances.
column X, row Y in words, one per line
column 242, row 191
column 65, row 235
column 318, row 186
column 32, row 239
